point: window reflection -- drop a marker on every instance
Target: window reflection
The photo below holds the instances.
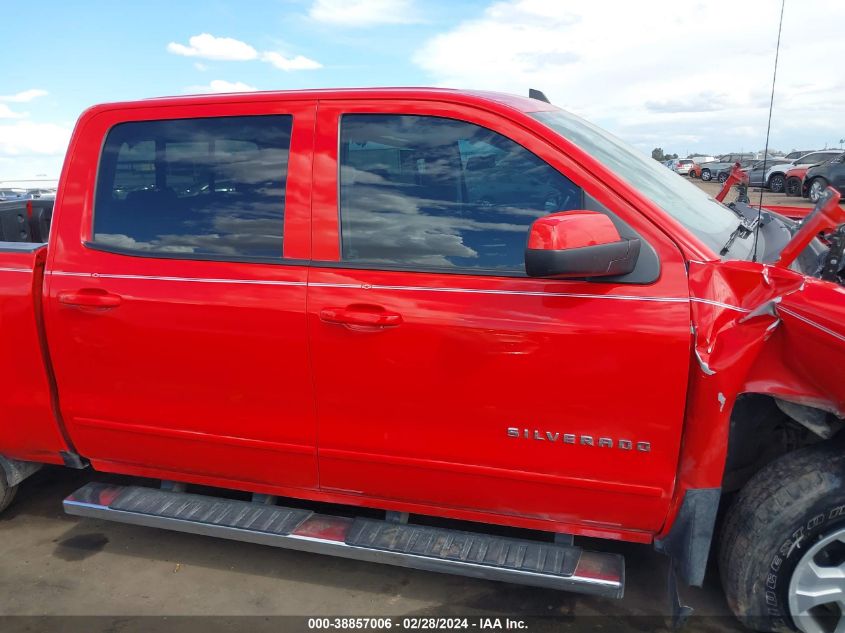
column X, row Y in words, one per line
column 211, row 186
column 431, row 192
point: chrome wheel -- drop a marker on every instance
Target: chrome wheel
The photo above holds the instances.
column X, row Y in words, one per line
column 706, row 175
column 817, row 587
column 816, row 190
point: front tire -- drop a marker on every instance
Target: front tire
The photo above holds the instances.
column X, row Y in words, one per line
column 777, row 183
column 706, row 176
column 816, row 188
column 792, row 509
column 7, row 493
column 723, row 177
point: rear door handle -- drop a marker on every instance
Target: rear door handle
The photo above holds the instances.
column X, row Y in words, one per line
column 89, row 298
column 365, row 315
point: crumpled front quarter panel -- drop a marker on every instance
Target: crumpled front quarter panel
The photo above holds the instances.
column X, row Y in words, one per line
column 814, row 344
column 756, row 329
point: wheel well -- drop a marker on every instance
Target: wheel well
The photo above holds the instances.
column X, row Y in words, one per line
column 764, row 428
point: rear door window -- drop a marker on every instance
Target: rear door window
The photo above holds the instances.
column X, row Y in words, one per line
column 205, row 188
column 422, row 192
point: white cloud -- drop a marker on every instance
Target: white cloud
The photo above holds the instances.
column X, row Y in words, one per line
column 27, row 138
column 24, row 96
column 290, row 63
column 7, row 113
column 675, row 75
column 207, row 46
column 221, row 85
column 364, row 12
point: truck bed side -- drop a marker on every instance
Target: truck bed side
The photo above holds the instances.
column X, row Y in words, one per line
column 29, row 428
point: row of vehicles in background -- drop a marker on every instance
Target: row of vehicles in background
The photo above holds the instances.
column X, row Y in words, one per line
column 799, row 173
column 21, row 193
column 810, row 181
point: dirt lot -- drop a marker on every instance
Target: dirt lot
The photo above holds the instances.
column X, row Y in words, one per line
column 57, row 565
column 769, row 198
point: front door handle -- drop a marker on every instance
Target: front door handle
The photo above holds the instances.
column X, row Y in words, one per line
column 364, row 315
column 89, row 298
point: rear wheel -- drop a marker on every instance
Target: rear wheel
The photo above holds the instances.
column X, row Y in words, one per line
column 816, row 187
column 7, row 493
column 723, row 177
column 777, row 183
column 782, row 550
column 793, row 186
column 706, row 176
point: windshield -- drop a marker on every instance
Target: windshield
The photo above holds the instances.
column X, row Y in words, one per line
column 709, row 220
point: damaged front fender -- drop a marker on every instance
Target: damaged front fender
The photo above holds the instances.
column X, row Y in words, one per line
column 761, row 329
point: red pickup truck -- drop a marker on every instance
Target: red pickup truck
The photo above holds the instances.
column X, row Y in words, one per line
column 429, row 305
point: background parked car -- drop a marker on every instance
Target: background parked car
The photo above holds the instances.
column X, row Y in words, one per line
column 9, row 193
column 695, row 170
column 40, row 193
column 818, row 177
column 794, row 181
column 798, row 153
column 711, row 170
column 776, row 176
column 682, row 165
column 755, row 170
column 697, row 161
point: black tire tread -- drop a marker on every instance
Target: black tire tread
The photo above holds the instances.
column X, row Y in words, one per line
column 783, row 183
column 773, row 500
column 7, row 497
column 7, row 493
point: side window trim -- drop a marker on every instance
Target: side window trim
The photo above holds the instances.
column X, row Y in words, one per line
column 237, row 259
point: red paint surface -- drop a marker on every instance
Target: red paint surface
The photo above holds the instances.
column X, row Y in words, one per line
column 797, row 172
column 396, row 389
column 735, row 176
column 827, row 217
column 794, row 213
column 572, row 229
column 28, row 429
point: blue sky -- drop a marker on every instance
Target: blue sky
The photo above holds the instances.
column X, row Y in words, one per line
column 676, row 75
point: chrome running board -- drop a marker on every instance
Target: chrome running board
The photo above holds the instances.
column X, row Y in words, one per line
column 521, row 561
